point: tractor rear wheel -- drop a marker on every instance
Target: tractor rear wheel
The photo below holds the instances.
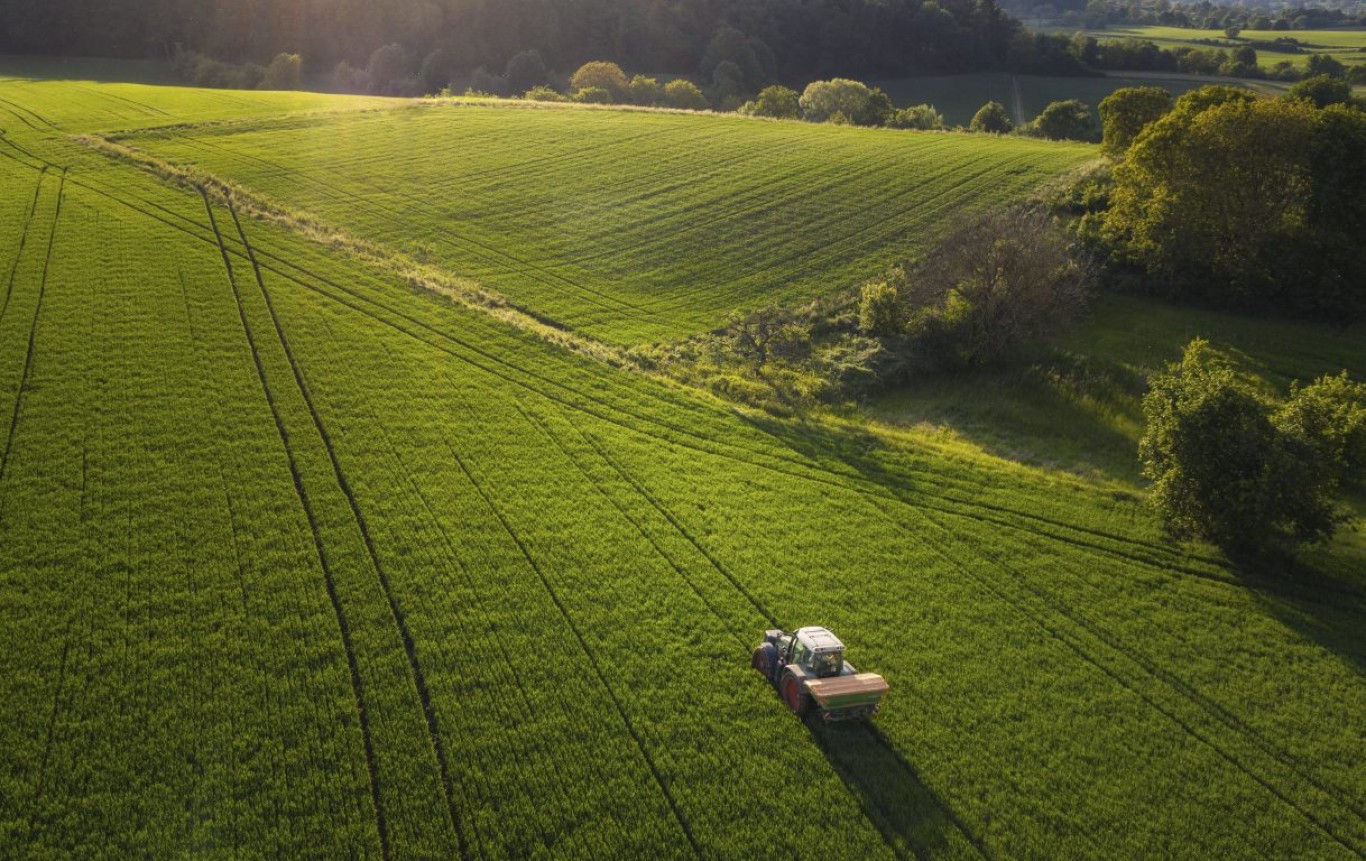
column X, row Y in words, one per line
column 795, row 695
column 763, row 659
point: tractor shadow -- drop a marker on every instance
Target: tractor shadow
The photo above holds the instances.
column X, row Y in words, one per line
column 913, row 819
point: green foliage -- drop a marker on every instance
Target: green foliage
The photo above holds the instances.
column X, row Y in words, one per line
column 593, row 96
column 1329, row 418
column 684, row 95
column 1322, row 91
column 645, row 91
column 1068, row 119
column 821, row 100
column 880, row 310
column 1323, row 64
column 992, row 119
column 778, row 102
column 922, row 117
column 544, row 94
column 992, row 288
column 1215, row 199
column 1227, row 470
column 389, row 71
column 602, row 75
column 1125, row 113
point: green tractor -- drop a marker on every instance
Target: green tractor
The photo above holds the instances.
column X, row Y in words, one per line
column 808, row 668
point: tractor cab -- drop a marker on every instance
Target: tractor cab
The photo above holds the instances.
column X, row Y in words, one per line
column 815, row 649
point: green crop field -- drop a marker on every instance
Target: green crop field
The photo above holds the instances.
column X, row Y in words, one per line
column 628, row 226
column 1347, row 46
column 301, row 560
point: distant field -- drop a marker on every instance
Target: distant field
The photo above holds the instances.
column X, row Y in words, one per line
column 628, row 226
column 1348, row 46
column 959, row 96
column 300, row 561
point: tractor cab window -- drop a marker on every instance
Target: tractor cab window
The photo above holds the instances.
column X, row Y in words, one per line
column 800, row 654
column 827, row 664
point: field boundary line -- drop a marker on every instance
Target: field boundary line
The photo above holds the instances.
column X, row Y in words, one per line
column 357, row 688
column 588, row 653
column 33, row 329
column 395, row 611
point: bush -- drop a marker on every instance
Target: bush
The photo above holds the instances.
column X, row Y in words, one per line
column 1223, row 470
column 993, row 287
column 601, row 75
column 992, row 118
column 1322, row 91
column 684, row 95
column 880, row 311
column 822, row 100
column 593, row 96
column 922, row 117
column 645, row 91
column 1068, row 119
column 778, row 102
column 1329, row 418
column 544, row 94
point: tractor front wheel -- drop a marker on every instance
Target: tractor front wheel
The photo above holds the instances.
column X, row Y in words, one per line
column 795, row 695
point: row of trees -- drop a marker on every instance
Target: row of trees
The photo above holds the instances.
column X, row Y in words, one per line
column 767, row 40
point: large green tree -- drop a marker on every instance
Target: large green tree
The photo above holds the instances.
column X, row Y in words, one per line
column 1247, row 203
column 1227, row 469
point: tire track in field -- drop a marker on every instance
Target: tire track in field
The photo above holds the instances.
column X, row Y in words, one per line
column 872, row 732
column 23, row 240
column 1070, row 641
column 708, row 445
column 714, row 452
column 1174, row 683
column 872, row 488
column 925, row 477
column 32, row 828
column 1201, row 702
column 588, row 653
column 323, row 559
column 395, row 611
column 639, row 527
column 33, row 329
column 14, row 107
column 490, row 254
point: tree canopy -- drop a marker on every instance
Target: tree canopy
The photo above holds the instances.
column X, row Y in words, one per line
column 1247, row 203
column 767, row 40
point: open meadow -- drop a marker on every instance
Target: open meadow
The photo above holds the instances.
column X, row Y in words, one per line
column 301, row 559
column 1346, row 46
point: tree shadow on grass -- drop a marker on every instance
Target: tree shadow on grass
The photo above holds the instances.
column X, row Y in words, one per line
column 1319, row 604
column 913, row 819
